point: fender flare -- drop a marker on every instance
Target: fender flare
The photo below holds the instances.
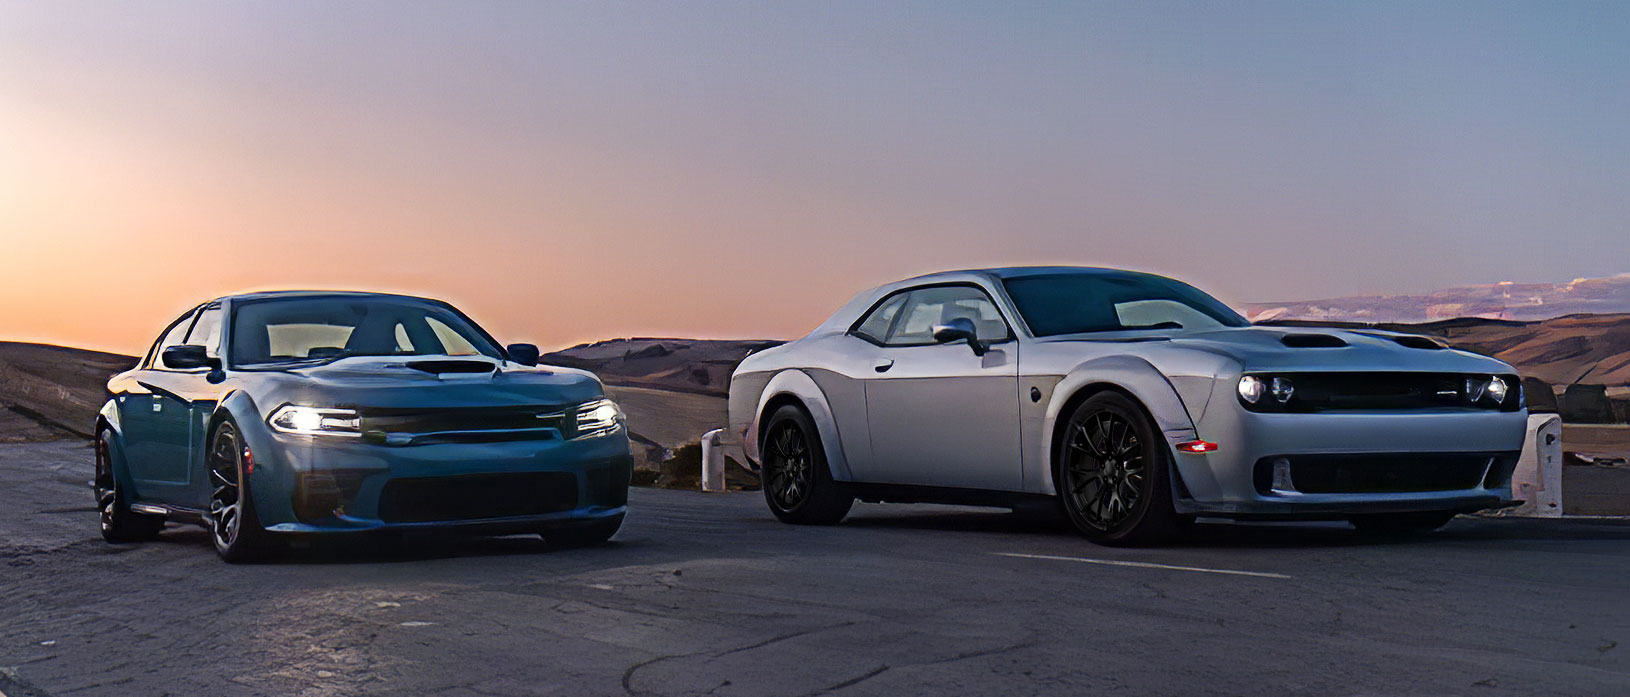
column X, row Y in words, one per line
column 798, row 385
column 268, row 477
column 1130, row 374
column 109, row 415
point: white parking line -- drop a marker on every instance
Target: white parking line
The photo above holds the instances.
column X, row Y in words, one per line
column 1144, row 565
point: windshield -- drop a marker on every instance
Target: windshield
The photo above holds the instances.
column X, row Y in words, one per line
column 321, row 329
column 1074, row 303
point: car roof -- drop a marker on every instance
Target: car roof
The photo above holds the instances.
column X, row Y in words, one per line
column 295, row 294
column 1005, row 272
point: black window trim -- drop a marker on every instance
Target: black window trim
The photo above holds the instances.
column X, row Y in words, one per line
column 854, row 329
column 153, row 360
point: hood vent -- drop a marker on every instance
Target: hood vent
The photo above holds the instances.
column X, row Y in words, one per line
column 1419, row 342
column 453, row 366
column 1414, row 341
column 1312, row 341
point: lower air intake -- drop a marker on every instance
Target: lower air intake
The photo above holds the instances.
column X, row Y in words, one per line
column 477, row 496
column 1384, row 473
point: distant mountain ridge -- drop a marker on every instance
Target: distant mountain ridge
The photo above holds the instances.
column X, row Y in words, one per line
column 1503, row 301
column 701, row 366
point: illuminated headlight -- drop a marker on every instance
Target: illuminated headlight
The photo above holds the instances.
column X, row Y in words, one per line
column 598, row 418
column 313, row 421
column 1250, row 389
column 1497, row 390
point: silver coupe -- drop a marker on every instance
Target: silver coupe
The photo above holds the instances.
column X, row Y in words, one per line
column 1135, row 401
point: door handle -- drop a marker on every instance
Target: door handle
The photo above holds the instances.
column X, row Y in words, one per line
column 884, row 365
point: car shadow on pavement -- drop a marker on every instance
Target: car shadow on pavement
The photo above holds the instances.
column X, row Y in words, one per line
column 379, row 548
column 1226, row 534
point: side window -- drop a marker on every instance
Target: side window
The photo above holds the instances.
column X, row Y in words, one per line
column 931, row 306
column 206, row 332
column 876, row 325
column 176, row 336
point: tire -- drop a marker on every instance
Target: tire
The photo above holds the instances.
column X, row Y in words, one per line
column 1401, row 524
column 1113, row 472
column 119, row 523
column 233, row 526
column 592, row 535
column 795, row 478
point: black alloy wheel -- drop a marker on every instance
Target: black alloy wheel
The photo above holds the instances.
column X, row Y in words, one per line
column 232, row 522
column 1113, row 473
column 796, row 482
column 119, row 523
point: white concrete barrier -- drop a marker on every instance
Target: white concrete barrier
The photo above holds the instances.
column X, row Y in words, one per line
column 712, row 461
column 1538, row 478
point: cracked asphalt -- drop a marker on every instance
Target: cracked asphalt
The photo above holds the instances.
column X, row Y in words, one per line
column 708, row 594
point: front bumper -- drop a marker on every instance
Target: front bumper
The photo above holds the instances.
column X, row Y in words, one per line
column 1368, row 462
column 326, row 485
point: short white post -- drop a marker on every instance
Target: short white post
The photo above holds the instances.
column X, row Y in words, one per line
column 712, row 461
column 1538, row 477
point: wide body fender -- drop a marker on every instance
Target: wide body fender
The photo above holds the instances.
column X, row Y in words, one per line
column 272, row 480
column 109, row 414
column 1145, row 383
column 799, row 385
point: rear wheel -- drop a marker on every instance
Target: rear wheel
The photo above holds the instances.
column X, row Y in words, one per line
column 1113, row 473
column 1401, row 524
column 591, row 535
column 119, row 523
column 796, row 481
column 233, row 524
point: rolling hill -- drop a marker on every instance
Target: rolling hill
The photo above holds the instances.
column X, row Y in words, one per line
column 1504, row 301
column 673, row 388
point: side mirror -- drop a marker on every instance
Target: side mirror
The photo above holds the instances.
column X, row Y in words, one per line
column 960, row 329
column 188, row 357
column 524, row 354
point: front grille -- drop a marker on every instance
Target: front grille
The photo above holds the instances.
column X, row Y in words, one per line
column 477, row 496
column 1383, row 391
column 1387, row 473
column 463, row 424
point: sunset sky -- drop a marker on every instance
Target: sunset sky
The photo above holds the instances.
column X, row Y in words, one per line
column 567, row 172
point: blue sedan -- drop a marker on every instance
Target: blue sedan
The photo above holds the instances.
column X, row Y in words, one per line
column 270, row 415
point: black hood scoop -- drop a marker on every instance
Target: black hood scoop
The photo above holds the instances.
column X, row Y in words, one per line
column 1312, row 341
column 1419, row 342
column 1414, row 341
column 444, row 367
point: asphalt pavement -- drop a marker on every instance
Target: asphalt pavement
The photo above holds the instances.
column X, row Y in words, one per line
column 706, row 594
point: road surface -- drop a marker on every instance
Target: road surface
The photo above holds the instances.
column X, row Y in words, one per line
column 708, row 595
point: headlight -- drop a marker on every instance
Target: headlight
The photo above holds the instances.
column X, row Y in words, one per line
column 1497, row 390
column 313, row 421
column 1250, row 389
column 597, row 418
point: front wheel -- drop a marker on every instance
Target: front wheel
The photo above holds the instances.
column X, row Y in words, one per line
column 233, row 525
column 796, row 481
column 119, row 523
column 1113, row 474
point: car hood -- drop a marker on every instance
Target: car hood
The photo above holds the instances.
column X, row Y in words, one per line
column 421, row 382
column 1315, row 349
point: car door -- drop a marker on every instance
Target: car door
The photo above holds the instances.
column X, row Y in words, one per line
column 155, row 454
column 939, row 414
column 182, row 401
